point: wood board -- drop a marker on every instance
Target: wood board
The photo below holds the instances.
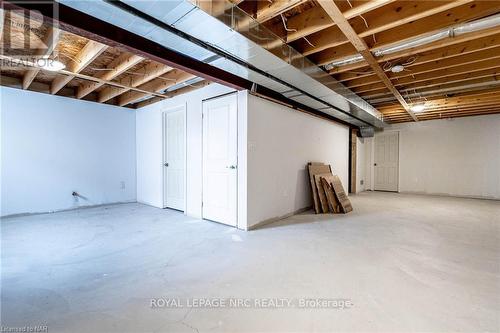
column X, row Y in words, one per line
column 321, row 192
column 339, row 194
column 333, row 204
column 314, row 169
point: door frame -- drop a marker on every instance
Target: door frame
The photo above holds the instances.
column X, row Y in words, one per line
column 372, row 166
column 180, row 107
column 235, row 93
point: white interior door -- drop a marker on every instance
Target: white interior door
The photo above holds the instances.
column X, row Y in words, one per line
column 220, row 148
column 174, row 158
column 387, row 161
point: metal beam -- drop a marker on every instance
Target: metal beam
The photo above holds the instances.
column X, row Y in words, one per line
column 82, row 24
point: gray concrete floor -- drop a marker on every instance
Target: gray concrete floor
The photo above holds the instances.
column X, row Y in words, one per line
column 407, row 263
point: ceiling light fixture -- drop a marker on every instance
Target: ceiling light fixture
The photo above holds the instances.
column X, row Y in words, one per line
column 50, row 64
column 356, row 58
column 417, row 108
column 397, row 68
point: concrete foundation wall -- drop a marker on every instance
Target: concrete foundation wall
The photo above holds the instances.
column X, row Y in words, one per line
column 52, row 146
column 281, row 141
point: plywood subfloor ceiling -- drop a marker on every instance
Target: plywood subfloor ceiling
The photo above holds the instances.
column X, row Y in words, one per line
column 453, row 77
column 93, row 72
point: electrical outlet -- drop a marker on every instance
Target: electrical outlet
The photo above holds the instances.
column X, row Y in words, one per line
column 122, row 185
column 361, row 182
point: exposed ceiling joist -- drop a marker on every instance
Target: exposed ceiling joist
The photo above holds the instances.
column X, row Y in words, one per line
column 455, row 78
column 429, row 24
column 275, row 8
column 171, row 94
column 446, row 52
column 457, row 89
column 436, row 50
column 401, row 14
column 118, row 66
column 50, row 40
column 440, row 68
column 336, row 15
column 149, row 72
column 162, row 83
column 89, row 52
column 82, row 76
column 314, row 19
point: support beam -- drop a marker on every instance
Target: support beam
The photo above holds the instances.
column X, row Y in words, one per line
column 171, row 79
column 87, row 54
column 85, row 25
column 118, row 66
column 50, row 39
column 336, row 15
column 151, row 71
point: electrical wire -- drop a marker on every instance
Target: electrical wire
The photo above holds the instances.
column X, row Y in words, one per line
column 284, row 24
column 410, row 61
column 308, row 42
column 364, row 20
column 387, row 66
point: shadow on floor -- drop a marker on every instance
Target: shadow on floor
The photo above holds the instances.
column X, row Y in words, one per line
column 306, row 217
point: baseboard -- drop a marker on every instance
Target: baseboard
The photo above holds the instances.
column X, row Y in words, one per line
column 278, row 218
column 68, row 209
column 448, row 195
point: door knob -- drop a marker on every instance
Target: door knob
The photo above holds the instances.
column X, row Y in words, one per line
column 375, row 164
column 166, row 164
column 231, row 167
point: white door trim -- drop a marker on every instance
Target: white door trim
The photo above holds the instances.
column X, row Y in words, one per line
column 183, row 108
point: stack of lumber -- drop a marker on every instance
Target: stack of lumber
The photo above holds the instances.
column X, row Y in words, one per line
column 327, row 190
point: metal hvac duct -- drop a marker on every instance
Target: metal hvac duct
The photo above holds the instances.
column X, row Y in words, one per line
column 241, row 52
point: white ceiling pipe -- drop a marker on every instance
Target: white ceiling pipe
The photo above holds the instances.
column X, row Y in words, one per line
column 345, row 61
column 485, row 23
column 413, row 43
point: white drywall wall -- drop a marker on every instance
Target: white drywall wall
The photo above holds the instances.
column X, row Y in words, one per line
column 52, row 146
column 281, row 141
column 457, row 157
column 150, row 156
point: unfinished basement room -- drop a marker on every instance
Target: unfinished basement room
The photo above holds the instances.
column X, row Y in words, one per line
column 250, row 166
